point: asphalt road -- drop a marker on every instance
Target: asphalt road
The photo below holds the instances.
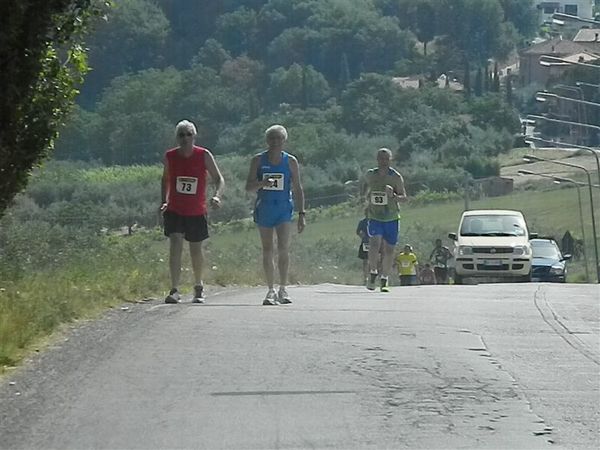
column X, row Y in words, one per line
column 486, row 366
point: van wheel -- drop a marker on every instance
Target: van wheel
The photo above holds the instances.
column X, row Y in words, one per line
column 458, row 279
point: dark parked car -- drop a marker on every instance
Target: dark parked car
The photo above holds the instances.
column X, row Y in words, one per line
column 549, row 264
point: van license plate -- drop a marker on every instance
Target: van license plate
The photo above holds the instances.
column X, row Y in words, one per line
column 492, row 262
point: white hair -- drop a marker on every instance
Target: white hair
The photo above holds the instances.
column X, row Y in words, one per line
column 277, row 129
column 187, row 126
column 385, row 150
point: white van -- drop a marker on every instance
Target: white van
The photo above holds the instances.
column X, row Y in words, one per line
column 492, row 243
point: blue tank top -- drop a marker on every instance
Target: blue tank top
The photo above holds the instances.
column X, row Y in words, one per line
column 280, row 193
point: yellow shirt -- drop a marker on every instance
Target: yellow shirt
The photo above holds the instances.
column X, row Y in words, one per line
column 407, row 263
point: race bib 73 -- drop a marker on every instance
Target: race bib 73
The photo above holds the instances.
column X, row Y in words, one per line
column 187, row 185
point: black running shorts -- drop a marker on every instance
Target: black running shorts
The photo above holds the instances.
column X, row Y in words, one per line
column 193, row 228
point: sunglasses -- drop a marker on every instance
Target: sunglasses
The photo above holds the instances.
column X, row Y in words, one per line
column 185, row 134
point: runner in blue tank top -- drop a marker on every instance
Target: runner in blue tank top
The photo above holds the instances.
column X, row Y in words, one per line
column 274, row 203
column 275, row 175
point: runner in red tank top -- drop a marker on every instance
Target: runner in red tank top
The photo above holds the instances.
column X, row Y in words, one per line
column 184, row 204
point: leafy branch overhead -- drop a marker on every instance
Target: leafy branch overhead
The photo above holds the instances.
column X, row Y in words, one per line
column 42, row 62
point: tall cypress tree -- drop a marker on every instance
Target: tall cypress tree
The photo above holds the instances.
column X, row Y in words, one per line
column 479, row 83
column 486, row 79
column 344, row 77
column 496, row 83
column 467, row 83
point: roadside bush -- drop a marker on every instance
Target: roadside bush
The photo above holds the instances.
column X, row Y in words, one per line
column 435, row 179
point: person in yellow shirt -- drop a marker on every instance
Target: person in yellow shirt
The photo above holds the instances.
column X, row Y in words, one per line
column 407, row 264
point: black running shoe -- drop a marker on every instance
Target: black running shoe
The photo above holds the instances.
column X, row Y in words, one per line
column 173, row 296
column 371, row 281
column 198, row 294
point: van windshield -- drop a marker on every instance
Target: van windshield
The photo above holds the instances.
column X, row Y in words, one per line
column 493, row 225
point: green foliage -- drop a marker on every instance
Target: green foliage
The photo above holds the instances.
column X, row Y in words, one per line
column 237, row 31
column 492, row 111
column 39, row 82
column 131, row 37
column 367, row 104
column 298, row 86
column 310, row 72
column 211, row 54
column 429, row 138
column 522, row 14
column 425, row 22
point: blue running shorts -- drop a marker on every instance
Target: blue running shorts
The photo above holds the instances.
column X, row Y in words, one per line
column 270, row 216
column 388, row 230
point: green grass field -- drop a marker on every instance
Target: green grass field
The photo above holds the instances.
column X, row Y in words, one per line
column 130, row 268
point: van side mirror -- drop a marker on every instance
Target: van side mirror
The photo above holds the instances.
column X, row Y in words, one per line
column 452, row 236
column 566, row 257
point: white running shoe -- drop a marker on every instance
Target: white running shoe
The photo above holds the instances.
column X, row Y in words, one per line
column 271, row 298
column 284, row 297
column 198, row 294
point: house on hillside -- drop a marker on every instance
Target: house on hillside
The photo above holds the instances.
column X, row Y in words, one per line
column 581, row 8
column 530, row 69
column 415, row 82
column 587, row 36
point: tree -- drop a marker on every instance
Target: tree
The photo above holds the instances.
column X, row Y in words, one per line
column 477, row 28
column 212, row 54
column 522, row 14
column 237, row 31
column 426, row 24
column 491, row 111
column 131, row 38
column 367, row 104
column 298, row 85
column 467, row 80
column 509, row 89
column 344, row 77
column 42, row 62
column 479, row 82
column 496, row 79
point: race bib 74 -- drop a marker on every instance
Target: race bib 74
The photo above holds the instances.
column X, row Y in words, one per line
column 278, row 181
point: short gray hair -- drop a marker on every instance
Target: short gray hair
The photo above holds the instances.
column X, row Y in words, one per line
column 185, row 125
column 277, row 129
column 385, row 150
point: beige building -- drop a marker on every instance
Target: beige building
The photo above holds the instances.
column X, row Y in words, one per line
column 587, row 36
column 580, row 8
column 530, row 69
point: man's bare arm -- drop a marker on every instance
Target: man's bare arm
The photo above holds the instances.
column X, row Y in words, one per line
column 215, row 173
column 297, row 188
column 252, row 183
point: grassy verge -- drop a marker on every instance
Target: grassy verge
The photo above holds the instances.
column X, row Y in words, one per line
column 129, row 268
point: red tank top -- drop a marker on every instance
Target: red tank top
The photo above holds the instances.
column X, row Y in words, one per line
column 186, row 186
